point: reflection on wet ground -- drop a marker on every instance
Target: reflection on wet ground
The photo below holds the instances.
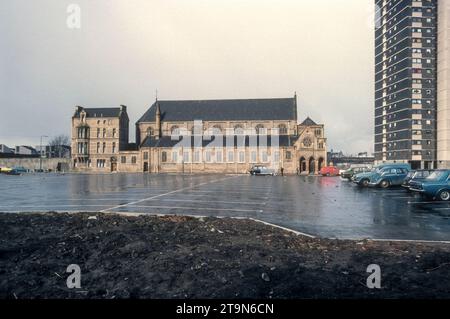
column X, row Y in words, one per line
column 325, row 207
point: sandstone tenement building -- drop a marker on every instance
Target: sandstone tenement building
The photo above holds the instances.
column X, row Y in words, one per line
column 212, row 136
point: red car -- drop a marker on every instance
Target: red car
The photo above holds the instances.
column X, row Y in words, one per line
column 329, row 171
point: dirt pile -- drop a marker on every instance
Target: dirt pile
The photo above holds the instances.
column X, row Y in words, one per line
column 181, row 257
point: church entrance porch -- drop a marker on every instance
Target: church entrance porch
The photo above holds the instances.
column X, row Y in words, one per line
column 303, row 166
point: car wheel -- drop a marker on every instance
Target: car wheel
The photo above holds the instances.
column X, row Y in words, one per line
column 385, row 184
column 364, row 182
column 444, row 195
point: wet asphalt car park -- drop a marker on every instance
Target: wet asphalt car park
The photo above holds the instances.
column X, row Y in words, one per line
column 319, row 206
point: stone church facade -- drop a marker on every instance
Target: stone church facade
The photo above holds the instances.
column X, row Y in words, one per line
column 198, row 137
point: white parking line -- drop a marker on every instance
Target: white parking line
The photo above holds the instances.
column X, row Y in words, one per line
column 33, row 206
column 394, row 196
column 181, row 195
column 165, row 194
column 197, row 208
column 85, row 200
column 413, row 203
column 243, row 189
column 218, row 192
column 283, row 228
column 393, row 193
column 123, row 193
column 208, row 201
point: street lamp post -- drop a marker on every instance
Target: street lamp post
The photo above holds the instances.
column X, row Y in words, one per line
column 40, row 150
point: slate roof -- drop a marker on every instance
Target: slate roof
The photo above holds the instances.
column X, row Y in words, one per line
column 309, row 122
column 100, row 112
column 130, row 147
column 224, row 110
column 236, row 140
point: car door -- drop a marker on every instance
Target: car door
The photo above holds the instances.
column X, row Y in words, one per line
column 388, row 174
column 400, row 175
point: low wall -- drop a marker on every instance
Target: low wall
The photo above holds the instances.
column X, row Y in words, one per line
column 34, row 163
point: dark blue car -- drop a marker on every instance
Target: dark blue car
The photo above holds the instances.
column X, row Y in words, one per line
column 384, row 175
column 416, row 176
column 390, row 175
column 436, row 186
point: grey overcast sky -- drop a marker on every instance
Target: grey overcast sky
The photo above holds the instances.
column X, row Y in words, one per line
column 187, row 49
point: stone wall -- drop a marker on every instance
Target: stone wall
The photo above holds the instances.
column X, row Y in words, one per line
column 34, row 163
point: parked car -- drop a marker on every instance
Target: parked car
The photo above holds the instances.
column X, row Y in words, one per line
column 436, row 186
column 364, row 179
column 329, row 171
column 417, row 176
column 389, row 176
column 352, row 171
column 262, row 171
column 20, row 169
column 13, row 172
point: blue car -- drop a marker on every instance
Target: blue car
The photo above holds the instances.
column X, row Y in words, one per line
column 384, row 175
column 416, row 176
column 20, row 169
column 436, row 186
column 13, row 172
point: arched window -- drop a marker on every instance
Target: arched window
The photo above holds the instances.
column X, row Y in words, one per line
column 260, row 129
column 216, row 130
column 164, row 157
column 238, row 130
column 175, row 130
column 150, row 131
column 282, row 129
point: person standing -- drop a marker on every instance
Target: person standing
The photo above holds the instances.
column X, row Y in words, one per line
column 282, row 171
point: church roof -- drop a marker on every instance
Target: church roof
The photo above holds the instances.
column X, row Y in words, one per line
column 224, row 110
column 99, row 112
column 308, row 122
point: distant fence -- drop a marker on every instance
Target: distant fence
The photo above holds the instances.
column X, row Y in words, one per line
column 33, row 163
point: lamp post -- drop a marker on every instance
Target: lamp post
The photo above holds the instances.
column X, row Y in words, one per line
column 40, row 150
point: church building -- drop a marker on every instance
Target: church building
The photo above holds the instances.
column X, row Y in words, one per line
column 198, row 137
